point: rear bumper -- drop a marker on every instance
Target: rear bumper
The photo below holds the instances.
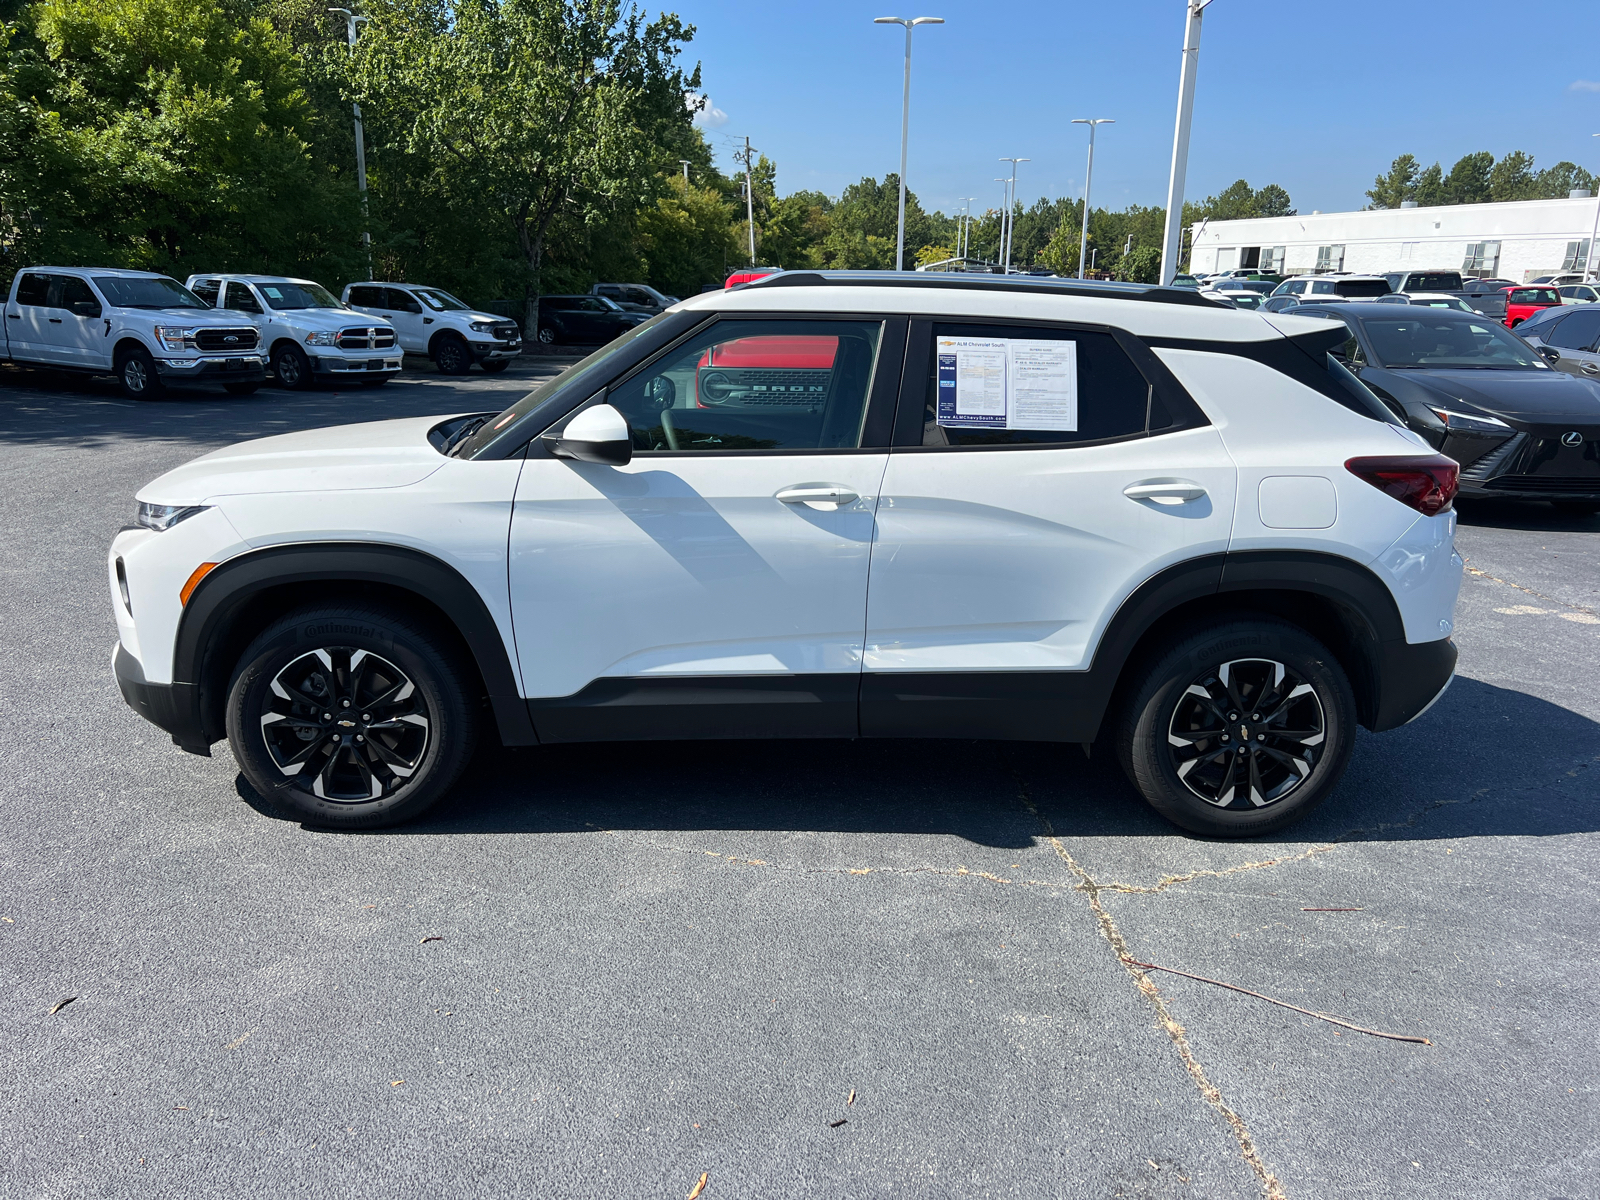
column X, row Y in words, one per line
column 1411, row 676
column 249, row 368
column 172, row 707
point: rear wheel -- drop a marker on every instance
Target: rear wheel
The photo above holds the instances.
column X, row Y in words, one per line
column 451, row 356
column 136, row 375
column 1238, row 728
column 291, row 367
column 350, row 717
column 495, row 366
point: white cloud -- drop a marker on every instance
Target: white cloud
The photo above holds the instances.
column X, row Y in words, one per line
column 706, row 114
column 1583, row 85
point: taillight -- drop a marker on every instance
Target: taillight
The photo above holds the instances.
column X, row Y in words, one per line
column 1425, row 482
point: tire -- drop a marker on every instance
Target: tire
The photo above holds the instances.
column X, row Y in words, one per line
column 547, row 335
column 414, row 741
column 495, row 366
column 1576, row 508
column 241, row 389
column 1155, row 732
column 450, row 355
column 137, row 376
column 291, row 368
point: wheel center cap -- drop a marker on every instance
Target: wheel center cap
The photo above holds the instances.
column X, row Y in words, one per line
column 1244, row 733
column 345, row 723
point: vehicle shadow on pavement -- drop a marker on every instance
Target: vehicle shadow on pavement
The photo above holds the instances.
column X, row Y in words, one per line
column 1531, row 516
column 1485, row 762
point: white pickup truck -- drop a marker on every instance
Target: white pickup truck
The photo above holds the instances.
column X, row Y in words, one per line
column 308, row 335
column 146, row 329
column 431, row 321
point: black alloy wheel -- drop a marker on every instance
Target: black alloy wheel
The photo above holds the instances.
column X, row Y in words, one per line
column 1238, row 728
column 451, row 356
column 137, row 375
column 495, row 365
column 547, row 335
column 349, row 718
column 291, row 368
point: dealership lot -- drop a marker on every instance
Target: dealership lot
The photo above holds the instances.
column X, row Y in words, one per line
column 608, row 973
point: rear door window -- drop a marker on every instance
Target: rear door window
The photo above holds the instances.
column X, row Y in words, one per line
column 366, row 296
column 1577, row 331
column 207, row 290
column 1001, row 385
column 34, row 290
column 750, row 385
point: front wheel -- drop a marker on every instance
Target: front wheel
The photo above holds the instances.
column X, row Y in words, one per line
column 137, row 376
column 451, row 356
column 1238, row 728
column 350, row 717
column 547, row 335
column 291, row 367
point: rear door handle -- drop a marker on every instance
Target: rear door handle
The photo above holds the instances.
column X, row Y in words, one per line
column 1167, row 491
column 1590, row 367
column 827, row 496
column 15, row 316
column 55, row 320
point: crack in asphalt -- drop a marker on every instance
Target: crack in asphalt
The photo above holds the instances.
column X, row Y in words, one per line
column 1481, row 574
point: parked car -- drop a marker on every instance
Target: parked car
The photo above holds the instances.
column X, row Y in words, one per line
column 584, row 319
column 1428, row 300
column 429, row 320
column 1343, row 287
column 1190, row 535
column 1579, row 293
column 1288, row 301
column 1485, row 397
column 308, row 335
column 1185, row 281
column 1263, row 287
column 750, row 274
column 1522, row 301
column 1234, row 298
column 1559, row 280
column 1488, row 286
column 1424, row 281
column 635, row 297
column 1566, row 339
column 149, row 331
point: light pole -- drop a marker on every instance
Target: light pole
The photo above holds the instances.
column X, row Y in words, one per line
column 350, row 23
column 905, row 126
column 1588, row 259
column 966, row 223
column 1011, row 203
column 1088, row 178
column 1005, row 216
column 685, row 163
column 1170, row 247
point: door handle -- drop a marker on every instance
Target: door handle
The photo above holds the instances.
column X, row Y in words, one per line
column 15, row 316
column 1165, row 491
column 1590, row 367
column 55, row 320
column 832, row 495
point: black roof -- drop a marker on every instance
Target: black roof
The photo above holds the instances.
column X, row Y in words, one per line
column 1361, row 312
column 962, row 281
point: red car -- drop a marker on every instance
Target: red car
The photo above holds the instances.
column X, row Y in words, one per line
column 1525, row 300
column 783, row 371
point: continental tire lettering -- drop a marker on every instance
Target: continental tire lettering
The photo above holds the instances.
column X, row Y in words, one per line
column 314, row 632
column 1217, row 649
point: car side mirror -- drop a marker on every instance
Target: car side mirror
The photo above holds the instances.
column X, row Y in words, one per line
column 86, row 308
column 597, row 435
column 1549, row 355
column 413, row 307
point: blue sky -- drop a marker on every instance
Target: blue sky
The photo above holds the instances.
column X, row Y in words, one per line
column 1318, row 97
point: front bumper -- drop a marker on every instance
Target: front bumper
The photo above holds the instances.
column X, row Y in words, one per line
column 248, row 368
column 173, row 707
column 374, row 365
column 490, row 351
column 1536, row 465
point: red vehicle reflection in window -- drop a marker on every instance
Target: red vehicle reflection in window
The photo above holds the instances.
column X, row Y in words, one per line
column 788, row 371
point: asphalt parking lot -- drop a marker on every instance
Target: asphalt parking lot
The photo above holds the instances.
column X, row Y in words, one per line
column 798, row 969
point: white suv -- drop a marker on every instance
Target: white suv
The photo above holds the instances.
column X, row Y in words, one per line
column 833, row 506
column 307, row 334
column 431, row 321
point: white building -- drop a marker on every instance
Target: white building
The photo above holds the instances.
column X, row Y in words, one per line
column 1515, row 241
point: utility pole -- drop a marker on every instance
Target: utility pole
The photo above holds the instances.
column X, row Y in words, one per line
column 1589, row 259
column 685, row 163
column 966, row 222
column 749, row 195
column 905, row 126
column 350, row 23
column 1170, row 244
column 1005, row 216
column 1088, row 178
column 1011, row 203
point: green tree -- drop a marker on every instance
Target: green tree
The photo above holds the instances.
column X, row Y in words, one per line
column 1512, row 178
column 1142, row 265
column 1468, row 181
column 1398, row 185
column 533, row 109
column 1430, row 187
column 1553, row 183
column 687, row 239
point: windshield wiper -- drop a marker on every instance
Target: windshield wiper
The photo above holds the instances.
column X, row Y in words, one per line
column 459, row 437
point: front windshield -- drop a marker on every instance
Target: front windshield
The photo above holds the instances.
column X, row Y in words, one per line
column 1440, row 339
column 147, row 293
column 441, row 301
column 284, row 295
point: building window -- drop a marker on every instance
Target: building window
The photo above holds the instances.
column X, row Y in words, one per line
column 1330, row 258
column 1577, row 256
column 1408, row 251
column 1483, row 258
column 1272, row 260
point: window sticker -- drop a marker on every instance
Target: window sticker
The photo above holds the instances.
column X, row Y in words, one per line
column 1007, row 383
column 273, row 292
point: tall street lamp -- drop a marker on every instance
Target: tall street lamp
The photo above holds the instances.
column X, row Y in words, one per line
column 1011, row 203
column 350, row 23
column 1589, row 259
column 1088, row 177
column 1005, row 217
column 685, row 163
column 1170, row 245
column 966, row 222
column 905, row 126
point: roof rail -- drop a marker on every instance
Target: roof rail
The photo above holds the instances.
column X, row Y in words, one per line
column 1148, row 292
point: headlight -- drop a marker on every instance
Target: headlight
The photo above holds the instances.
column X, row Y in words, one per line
column 322, row 337
column 175, row 337
column 1457, row 422
column 481, row 327
column 165, row 516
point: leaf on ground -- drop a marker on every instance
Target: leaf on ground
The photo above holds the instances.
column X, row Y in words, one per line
column 61, row 1003
column 426, row 940
column 701, row 1186
column 396, row 1082
column 852, row 1098
column 839, row 1122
